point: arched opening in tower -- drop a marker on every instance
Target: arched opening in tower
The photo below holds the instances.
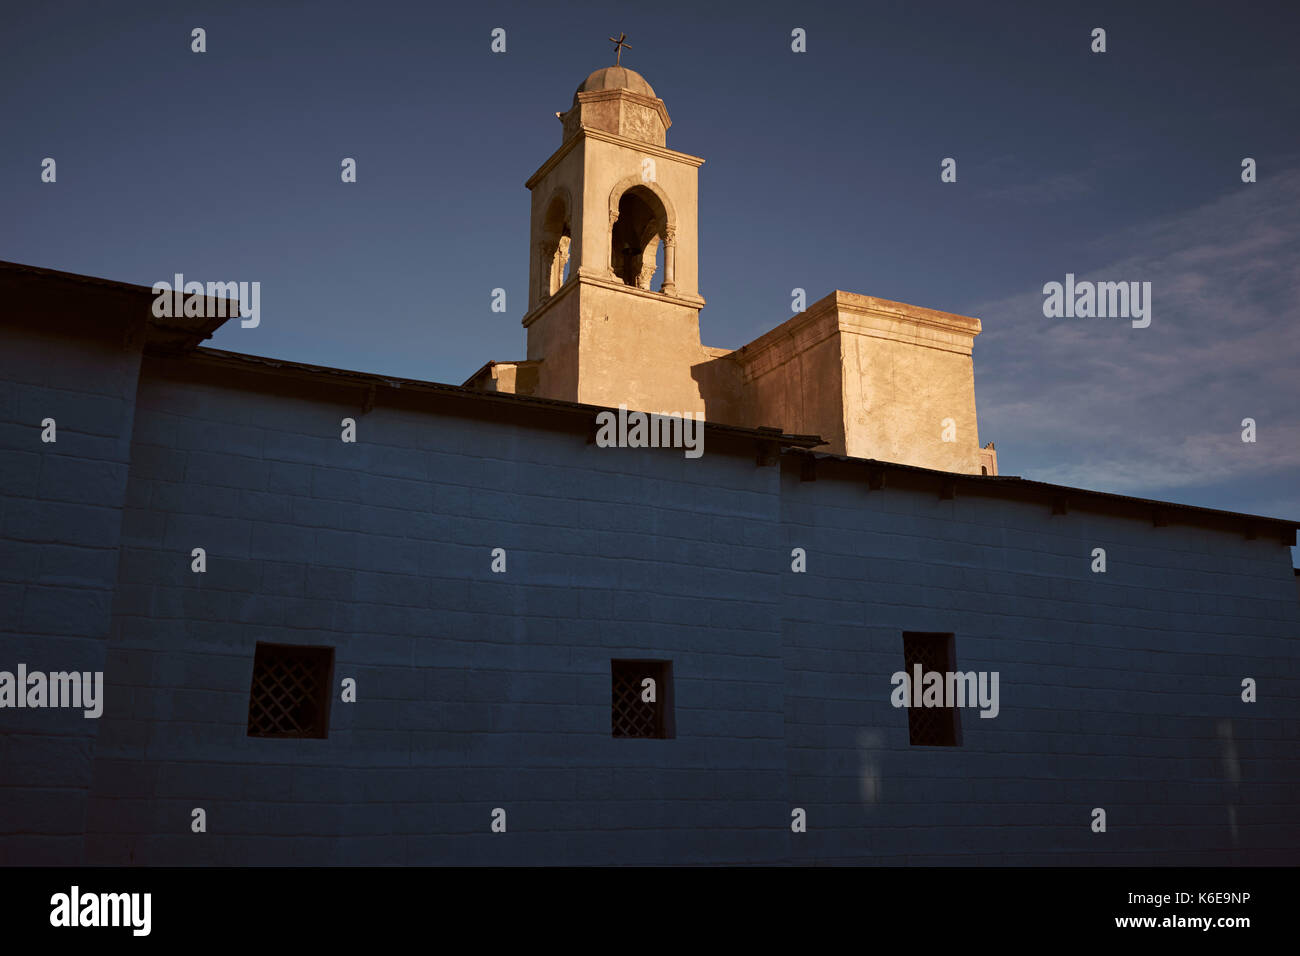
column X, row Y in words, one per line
column 637, row 236
column 555, row 246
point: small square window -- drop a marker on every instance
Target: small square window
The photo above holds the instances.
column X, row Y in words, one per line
column 642, row 699
column 931, row 726
column 291, row 691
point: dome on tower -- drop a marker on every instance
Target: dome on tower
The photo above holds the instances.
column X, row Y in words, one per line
column 615, row 78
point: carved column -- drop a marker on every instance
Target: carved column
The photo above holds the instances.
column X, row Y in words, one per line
column 609, row 245
column 561, row 260
column 670, row 261
column 647, row 264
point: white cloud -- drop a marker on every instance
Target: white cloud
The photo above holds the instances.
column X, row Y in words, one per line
column 1097, row 403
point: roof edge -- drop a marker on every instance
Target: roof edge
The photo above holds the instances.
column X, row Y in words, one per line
column 790, row 444
column 375, row 380
column 1043, row 490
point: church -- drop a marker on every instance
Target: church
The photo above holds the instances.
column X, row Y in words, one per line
column 330, row 617
column 614, row 310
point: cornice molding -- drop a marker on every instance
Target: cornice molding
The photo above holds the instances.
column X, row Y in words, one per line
column 610, row 285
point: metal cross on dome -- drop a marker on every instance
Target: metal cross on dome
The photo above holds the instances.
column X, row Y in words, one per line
column 619, row 44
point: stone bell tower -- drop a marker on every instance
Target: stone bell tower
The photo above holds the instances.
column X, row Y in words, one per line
column 614, row 310
column 613, row 292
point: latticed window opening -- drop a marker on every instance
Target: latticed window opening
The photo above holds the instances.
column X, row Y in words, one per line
column 930, row 726
column 639, row 709
column 291, row 691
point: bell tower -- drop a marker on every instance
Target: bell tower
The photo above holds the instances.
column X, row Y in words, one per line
column 613, row 293
column 614, row 310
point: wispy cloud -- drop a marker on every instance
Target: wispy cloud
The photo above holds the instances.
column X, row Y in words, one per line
column 1098, row 403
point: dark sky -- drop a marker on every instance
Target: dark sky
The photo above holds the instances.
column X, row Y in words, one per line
column 821, row 172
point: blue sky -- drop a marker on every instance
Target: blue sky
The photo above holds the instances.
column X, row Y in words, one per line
column 821, row 172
